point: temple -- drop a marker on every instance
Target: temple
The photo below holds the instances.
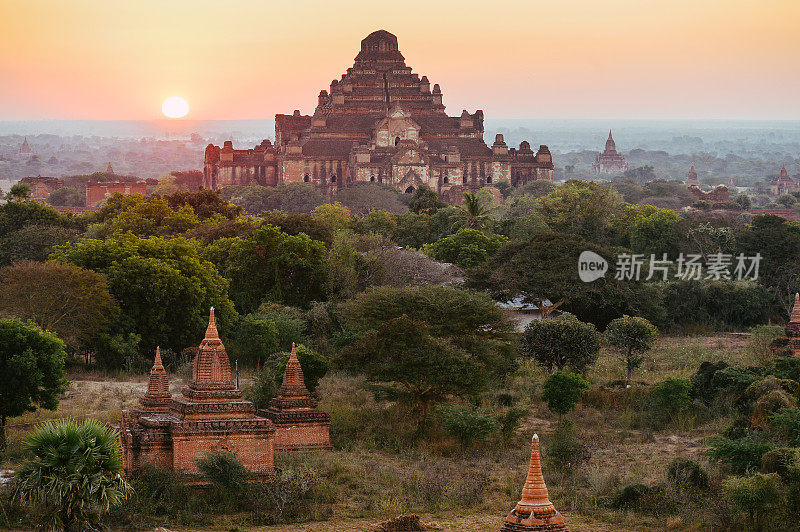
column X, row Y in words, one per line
column 783, row 183
column 793, row 327
column 25, row 149
column 718, row 194
column 691, row 178
column 610, row 161
column 534, row 511
column 379, row 123
column 299, row 425
column 209, row 415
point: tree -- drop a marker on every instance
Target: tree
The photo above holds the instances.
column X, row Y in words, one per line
column 74, row 474
column 33, row 242
column 291, row 197
column 63, row 298
column 634, row 336
column 18, row 192
column 362, row 198
column 562, row 391
column 561, row 342
column 255, row 338
column 582, row 208
column 67, row 196
column 204, row 203
column 16, row 215
column 425, row 200
column 466, row 424
column 270, row 265
column 466, row 248
column 313, row 365
column 475, row 212
column 431, row 341
column 32, row 368
column 656, row 234
column 163, row 287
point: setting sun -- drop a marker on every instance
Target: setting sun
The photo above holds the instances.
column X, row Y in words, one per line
column 175, row 107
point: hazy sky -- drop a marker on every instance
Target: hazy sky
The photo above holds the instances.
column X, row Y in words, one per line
column 110, row 59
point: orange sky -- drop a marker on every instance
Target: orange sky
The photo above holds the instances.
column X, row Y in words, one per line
column 111, row 59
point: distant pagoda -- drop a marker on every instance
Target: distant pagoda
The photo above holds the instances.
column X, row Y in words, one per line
column 610, row 161
column 691, row 178
column 783, row 183
column 534, row 511
column 25, row 148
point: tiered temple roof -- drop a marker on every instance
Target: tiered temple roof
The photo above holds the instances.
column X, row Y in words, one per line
column 610, row 161
column 691, row 178
column 534, row 511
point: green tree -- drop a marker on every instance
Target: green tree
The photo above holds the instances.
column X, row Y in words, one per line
column 16, row 215
column 362, row 198
column 270, row 265
column 582, row 208
column 291, row 197
column 18, row 192
column 68, row 197
column 33, row 242
column 63, row 298
column 467, row 248
column 425, row 200
column 563, row 391
column 656, row 234
column 74, row 474
column 431, row 341
column 32, row 366
column 313, row 365
column 204, row 203
column 475, row 212
column 561, row 342
column 255, row 338
column 634, row 336
column 163, row 287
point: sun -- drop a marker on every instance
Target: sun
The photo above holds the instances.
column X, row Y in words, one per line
column 175, row 107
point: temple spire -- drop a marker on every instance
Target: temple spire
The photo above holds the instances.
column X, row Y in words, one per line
column 211, row 330
column 795, row 317
column 157, row 363
column 157, row 396
column 293, row 379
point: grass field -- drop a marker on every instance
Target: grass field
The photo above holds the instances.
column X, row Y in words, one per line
column 459, row 489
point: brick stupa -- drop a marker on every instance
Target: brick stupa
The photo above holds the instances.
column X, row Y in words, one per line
column 299, row 424
column 209, row 415
column 793, row 327
column 534, row 511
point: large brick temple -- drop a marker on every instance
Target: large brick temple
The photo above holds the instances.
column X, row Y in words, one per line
column 209, row 415
column 379, row 123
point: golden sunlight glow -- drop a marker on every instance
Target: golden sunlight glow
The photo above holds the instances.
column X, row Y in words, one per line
column 175, row 107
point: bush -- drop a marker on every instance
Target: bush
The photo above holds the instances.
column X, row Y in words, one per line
column 562, row 391
column 561, row 342
column 467, row 425
column 786, row 423
column 227, row 474
column 786, row 368
column 755, row 495
column 670, row 398
column 742, row 455
column 702, row 379
column 564, row 451
column 289, row 497
column 263, row 389
column 784, row 461
column 685, row 473
column 761, row 338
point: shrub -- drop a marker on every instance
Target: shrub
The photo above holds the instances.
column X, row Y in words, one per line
column 670, row 398
column 227, row 474
column 465, row 424
column 634, row 336
column 263, row 389
column 562, row 391
column 755, row 495
column 685, row 473
column 290, row 496
column 761, row 338
column 702, row 379
column 741, row 455
column 784, row 461
column 630, row 496
column 786, row 368
column 564, row 450
column 786, row 422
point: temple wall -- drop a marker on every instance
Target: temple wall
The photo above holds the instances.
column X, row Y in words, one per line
column 302, row 436
column 254, row 450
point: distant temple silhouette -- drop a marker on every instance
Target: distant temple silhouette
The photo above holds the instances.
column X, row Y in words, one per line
column 610, row 161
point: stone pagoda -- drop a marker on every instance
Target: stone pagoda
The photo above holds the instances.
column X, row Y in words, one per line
column 793, row 327
column 783, row 183
column 534, row 511
column 210, row 415
column 610, row 161
column 299, row 424
column 691, row 178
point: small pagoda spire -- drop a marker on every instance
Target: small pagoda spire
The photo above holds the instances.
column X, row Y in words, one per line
column 784, row 173
column 293, row 379
column 795, row 317
column 109, row 168
column 157, row 396
column 534, row 508
column 211, row 330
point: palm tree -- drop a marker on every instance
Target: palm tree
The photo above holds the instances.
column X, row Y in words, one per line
column 74, row 475
column 475, row 212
